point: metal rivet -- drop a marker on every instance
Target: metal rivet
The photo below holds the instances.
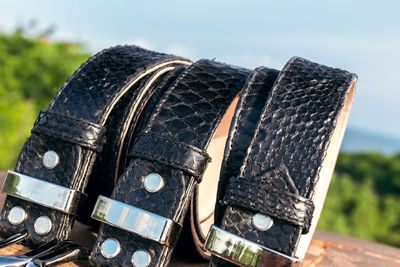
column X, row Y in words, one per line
column 16, row 215
column 110, row 248
column 43, row 225
column 50, row 159
column 141, row 258
column 262, row 222
column 153, row 182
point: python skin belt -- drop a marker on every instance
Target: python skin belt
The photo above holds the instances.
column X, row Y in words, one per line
column 78, row 143
column 155, row 152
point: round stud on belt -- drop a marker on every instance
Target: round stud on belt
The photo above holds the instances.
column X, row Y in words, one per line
column 43, row 225
column 141, row 258
column 110, row 248
column 262, row 222
column 50, row 159
column 16, row 215
column 153, row 182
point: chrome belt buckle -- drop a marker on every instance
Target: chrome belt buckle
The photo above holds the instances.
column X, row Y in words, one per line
column 43, row 193
column 138, row 221
column 243, row 252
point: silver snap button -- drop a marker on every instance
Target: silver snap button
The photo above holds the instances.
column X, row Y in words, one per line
column 43, row 225
column 50, row 159
column 141, row 258
column 262, row 222
column 153, row 182
column 110, row 248
column 16, row 215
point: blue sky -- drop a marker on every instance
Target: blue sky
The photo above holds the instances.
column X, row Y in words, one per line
column 359, row 36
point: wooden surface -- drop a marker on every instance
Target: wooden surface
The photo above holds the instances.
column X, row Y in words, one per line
column 326, row 250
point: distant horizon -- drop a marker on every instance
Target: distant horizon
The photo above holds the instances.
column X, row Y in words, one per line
column 360, row 141
column 352, row 128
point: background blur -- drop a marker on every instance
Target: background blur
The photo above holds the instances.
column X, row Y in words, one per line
column 43, row 42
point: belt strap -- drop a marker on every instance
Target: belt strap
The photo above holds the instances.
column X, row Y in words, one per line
column 66, row 128
column 186, row 119
column 247, row 113
column 84, row 126
column 159, row 149
column 295, row 130
column 272, row 193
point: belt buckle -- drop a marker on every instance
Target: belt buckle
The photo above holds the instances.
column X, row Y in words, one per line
column 49, row 195
column 135, row 220
column 43, row 193
column 243, row 252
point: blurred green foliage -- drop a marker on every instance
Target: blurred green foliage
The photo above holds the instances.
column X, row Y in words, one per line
column 32, row 69
column 364, row 196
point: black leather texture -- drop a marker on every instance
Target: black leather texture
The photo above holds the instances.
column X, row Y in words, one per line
column 63, row 127
column 87, row 117
column 157, row 148
column 272, row 193
column 247, row 112
column 187, row 117
column 288, row 145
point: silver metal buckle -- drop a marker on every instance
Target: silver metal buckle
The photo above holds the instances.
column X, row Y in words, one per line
column 243, row 252
column 41, row 192
column 13, row 239
column 50, row 254
column 141, row 222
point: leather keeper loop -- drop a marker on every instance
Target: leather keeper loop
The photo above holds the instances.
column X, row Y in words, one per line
column 172, row 153
column 83, row 133
column 261, row 194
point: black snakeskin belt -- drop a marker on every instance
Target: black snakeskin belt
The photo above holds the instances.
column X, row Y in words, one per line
column 152, row 123
column 170, row 149
column 271, row 194
column 80, row 142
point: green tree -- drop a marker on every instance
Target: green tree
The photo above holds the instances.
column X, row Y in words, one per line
column 363, row 198
column 32, row 69
column 384, row 170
